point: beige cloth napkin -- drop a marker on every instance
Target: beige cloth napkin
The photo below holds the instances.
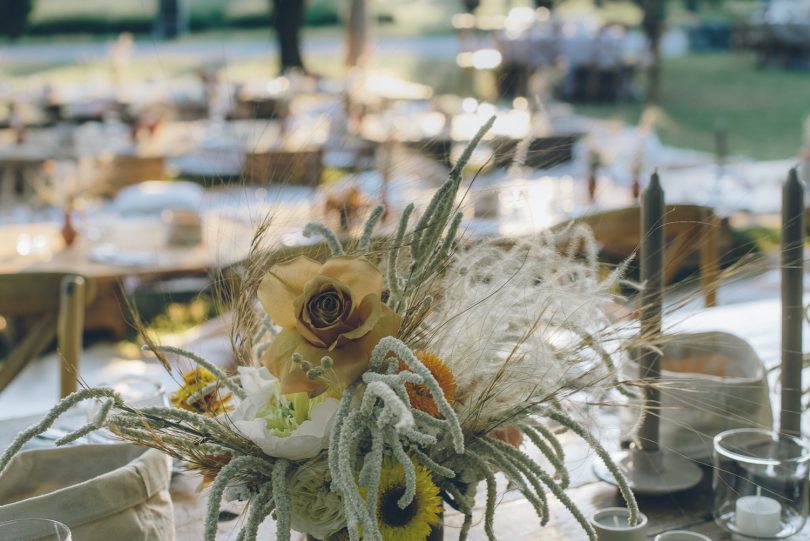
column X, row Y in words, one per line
column 710, row 382
column 101, row 492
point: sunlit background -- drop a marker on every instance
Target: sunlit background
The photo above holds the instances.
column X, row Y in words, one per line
column 143, row 141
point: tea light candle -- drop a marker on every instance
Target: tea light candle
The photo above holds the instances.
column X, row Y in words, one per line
column 681, row 535
column 613, row 524
column 758, row 515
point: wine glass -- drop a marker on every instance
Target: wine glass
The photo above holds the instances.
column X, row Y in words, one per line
column 137, row 392
column 30, row 529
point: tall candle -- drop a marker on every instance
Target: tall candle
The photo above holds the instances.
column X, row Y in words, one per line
column 792, row 288
column 652, row 264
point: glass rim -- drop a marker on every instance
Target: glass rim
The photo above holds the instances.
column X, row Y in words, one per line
column 775, row 436
column 642, row 518
column 695, row 536
column 55, row 523
column 137, row 378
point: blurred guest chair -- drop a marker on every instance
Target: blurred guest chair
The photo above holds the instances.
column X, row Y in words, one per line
column 298, row 167
column 689, row 230
column 55, row 304
column 122, row 170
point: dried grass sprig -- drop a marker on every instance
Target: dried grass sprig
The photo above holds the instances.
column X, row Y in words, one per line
column 368, row 229
column 64, row 405
column 211, row 367
column 317, row 228
column 621, row 480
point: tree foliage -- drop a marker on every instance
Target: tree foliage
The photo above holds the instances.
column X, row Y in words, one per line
column 14, row 17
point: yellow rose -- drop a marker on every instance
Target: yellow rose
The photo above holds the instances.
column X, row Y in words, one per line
column 330, row 309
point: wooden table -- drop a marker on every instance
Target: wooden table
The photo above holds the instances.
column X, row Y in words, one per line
column 39, row 248
column 515, row 519
column 19, row 165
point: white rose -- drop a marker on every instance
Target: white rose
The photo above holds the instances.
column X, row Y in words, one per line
column 315, row 509
column 292, row 426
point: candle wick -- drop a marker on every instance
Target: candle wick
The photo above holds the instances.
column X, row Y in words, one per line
column 759, row 491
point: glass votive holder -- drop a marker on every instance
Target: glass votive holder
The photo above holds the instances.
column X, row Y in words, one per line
column 136, row 391
column 681, row 535
column 760, row 483
column 613, row 524
column 30, row 529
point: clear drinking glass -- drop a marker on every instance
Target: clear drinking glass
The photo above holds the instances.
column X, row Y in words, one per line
column 31, row 529
column 136, row 391
column 139, row 391
column 760, row 483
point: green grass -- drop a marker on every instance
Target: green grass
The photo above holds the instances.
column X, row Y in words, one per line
column 33, row 75
column 95, row 19
column 763, row 111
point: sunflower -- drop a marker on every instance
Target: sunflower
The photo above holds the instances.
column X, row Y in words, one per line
column 419, row 395
column 209, row 403
column 415, row 521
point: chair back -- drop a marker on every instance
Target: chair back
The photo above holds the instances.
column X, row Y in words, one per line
column 48, row 305
column 689, row 229
column 300, row 167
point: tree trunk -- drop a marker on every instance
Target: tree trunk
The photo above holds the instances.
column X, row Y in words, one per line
column 653, row 23
column 358, row 28
column 654, row 70
column 288, row 18
column 172, row 18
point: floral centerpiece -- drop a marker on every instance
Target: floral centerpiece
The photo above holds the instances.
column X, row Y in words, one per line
column 388, row 380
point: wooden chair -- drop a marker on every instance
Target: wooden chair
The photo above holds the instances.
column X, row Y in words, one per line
column 123, row 170
column 55, row 303
column 689, row 230
column 299, row 167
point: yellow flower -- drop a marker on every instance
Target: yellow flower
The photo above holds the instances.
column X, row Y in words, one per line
column 211, row 403
column 332, row 309
column 419, row 395
column 415, row 521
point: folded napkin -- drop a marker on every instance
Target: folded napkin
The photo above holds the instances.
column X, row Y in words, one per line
column 101, row 492
column 710, row 382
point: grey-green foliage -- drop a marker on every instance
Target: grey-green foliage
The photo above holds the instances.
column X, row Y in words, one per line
column 430, row 242
column 385, row 425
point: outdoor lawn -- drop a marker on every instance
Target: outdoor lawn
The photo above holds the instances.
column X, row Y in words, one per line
column 763, row 110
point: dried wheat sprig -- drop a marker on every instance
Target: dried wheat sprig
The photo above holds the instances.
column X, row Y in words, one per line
column 211, row 367
column 546, row 450
column 236, row 467
column 510, row 453
column 394, row 281
column 368, row 229
column 260, row 506
column 281, row 495
column 582, row 432
column 485, row 471
column 95, row 424
column 317, row 228
column 435, row 468
column 64, row 405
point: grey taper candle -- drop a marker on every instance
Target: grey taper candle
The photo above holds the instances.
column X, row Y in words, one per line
column 652, row 265
column 792, row 289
